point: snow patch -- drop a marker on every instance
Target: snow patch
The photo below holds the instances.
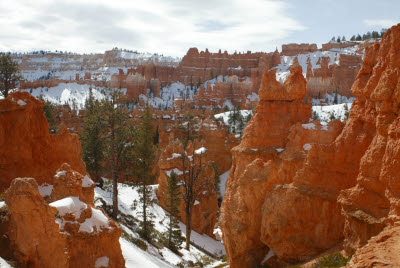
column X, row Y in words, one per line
column 21, row 102
column 61, row 173
column 202, row 150
column 309, row 126
column 223, row 179
column 87, row 182
column 70, row 204
column 102, row 262
column 175, row 170
column 268, row 256
column 307, row 147
column 45, row 189
column 97, row 220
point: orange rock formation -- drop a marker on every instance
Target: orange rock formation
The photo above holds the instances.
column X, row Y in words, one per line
column 295, row 49
column 66, row 233
column 26, row 145
column 324, row 186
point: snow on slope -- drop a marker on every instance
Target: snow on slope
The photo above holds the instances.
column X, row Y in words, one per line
column 326, row 113
column 144, row 57
column 169, row 94
column 282, row 70
column 70, row 93
column 129, row 204
column 225, row 115
column 223, row 179
column 4, row 264
column 135, row 257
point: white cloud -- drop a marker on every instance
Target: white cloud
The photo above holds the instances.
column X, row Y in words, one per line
column 381, row 23
column 168, row 27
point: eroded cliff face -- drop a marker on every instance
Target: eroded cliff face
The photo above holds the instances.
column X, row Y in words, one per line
column 26, row 144
column 273, row 148
column 374, row 202
column 324, row 187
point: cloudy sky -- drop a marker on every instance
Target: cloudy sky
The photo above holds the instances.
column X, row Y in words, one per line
column 171, row 27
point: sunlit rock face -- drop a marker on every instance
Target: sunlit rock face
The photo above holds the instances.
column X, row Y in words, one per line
column 343, row 184
column 27, row 149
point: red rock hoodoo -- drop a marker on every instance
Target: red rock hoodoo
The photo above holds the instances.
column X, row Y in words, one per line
column 321, row 187
column 273, row 147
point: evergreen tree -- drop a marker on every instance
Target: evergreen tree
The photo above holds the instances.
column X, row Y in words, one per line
column 333, row 39
column 375, row 34
column 145, row 160
column 343, row 39
column 173, row 235
column 353, row 38
column 358, row 38
column 117, row 134
column 93, row 143
column 9, row 74
column 338, row 39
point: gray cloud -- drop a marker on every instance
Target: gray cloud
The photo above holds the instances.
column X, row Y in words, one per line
column 168, row 27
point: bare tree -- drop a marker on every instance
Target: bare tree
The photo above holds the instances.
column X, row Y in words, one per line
column 191, row 170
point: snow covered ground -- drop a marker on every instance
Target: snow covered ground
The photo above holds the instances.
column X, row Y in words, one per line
column 4, row 264
column 72, row 94
column 282, row 70
column 129, row 204
column 225, row 115
column 331, row 112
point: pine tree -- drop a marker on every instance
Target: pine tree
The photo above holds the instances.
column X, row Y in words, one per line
column 93, row 143
column 145, row 160
column 353, row 38
column 241, row 124
column 117, row 134
column 344, row 38
column 358, row 38
column 173, row 235
column 338, row 39
column 232, row 120
column 49, row 110
column 9, row 74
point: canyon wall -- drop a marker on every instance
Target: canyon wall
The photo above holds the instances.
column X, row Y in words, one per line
column 201, row 66
column 295, row 49
column 301, row 193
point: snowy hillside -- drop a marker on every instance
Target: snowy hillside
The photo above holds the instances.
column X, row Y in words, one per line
column 145, row 57
column 72, row 94
column 129, row 206
column 282, row 70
